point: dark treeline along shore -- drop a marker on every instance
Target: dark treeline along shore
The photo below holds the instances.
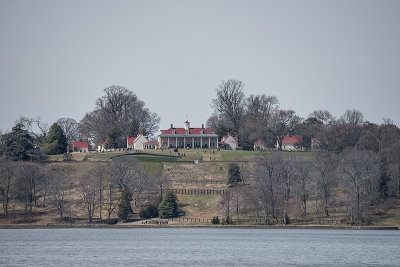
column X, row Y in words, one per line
column 340, row 171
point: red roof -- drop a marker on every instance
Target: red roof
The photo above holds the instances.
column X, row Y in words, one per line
column 80, row 145
column 183, row 131
column 291, row 139
column 259, row 142
column 131, row 140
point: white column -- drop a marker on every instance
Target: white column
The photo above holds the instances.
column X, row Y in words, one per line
column 184, row 142
column 209, row 142
column 176, row 142
column 201, row 141
column 168, row 142
column 192, row 142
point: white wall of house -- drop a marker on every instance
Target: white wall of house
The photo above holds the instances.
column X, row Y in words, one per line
column 231, row 142
column 139, row 141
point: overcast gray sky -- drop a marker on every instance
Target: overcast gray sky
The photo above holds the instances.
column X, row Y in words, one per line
column 56, row 57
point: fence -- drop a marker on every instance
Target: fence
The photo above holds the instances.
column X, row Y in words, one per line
column 199, row 191
column 199, row 182
column 258, row 221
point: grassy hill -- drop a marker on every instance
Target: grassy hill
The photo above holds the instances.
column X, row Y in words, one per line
column 198, row 186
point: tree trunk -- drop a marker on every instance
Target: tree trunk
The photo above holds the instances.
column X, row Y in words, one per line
column 266, row 221
column 326, row 201
column 7, row 198
column 358, row 205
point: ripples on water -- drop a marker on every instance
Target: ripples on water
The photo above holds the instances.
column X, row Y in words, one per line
column 198, row 247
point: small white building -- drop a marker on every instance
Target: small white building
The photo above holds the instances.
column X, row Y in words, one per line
column 259, row 145
column 289, row 143
column 136, row 143
column 228, row 142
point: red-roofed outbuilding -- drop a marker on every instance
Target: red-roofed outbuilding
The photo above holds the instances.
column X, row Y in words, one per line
column 81, row 147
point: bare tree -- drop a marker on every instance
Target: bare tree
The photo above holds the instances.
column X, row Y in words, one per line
column 358, row 168
column 70, row 128
column 119, row 108
column 302, row 168
column 60, row 187
column 230, row 101
column 36, row 128
column 161, row 181
column 100, row 174
column 226, row 206
column 28, row 177
column 325, row 165
column 282, row 123
column 323, row 116
column 352, row 117
column 112, row 200
column 8, row 171
column 285, row 174
column 394, row 160
column 259, row 109
column 89, row 189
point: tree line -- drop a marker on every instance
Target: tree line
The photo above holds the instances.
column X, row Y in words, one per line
column 117, row 115
column 358, row 183
column 110, row 187
column 259, row 117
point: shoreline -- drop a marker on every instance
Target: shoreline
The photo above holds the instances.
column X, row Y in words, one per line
column 105, row 226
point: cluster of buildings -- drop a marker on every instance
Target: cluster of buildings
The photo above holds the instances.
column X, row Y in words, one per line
column 188, row 137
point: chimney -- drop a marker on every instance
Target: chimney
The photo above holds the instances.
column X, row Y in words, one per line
column 187, row 125
column 172, row 126
column 202, row 126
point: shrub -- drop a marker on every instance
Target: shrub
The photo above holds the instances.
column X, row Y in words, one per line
column 227, row 220
column 215, row 220
column 150, row 211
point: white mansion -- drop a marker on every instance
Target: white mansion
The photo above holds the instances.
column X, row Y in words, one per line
column 188, row 137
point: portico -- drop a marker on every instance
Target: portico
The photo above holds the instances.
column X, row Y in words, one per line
column 188, row 137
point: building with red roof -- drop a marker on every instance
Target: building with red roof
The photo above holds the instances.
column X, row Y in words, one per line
column 229, row 142
column 187, row 137
column 136, row 143
column 80, row 147
column 259, row 145
column 290, row 143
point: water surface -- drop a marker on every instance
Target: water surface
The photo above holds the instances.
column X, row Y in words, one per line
column 199, row 247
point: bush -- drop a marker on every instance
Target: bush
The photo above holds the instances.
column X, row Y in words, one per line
column 148, row 212
column 227, row 220
column 215, row 220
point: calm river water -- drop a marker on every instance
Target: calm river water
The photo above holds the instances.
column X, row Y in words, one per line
column 198, row 247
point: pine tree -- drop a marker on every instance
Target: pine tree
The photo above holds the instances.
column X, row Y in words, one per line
column 124, row 206
column 168, row 207
column 17, row 143
column 234, row 175
column 56, row 141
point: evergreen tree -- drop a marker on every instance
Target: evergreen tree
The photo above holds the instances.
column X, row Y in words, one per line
column 168, row 207
column 17, row 143
column 124, row 206
column 56, row 141
column 234, row 175
column 114, row 137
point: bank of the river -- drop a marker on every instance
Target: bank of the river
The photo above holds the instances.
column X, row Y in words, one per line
column 125, row 226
